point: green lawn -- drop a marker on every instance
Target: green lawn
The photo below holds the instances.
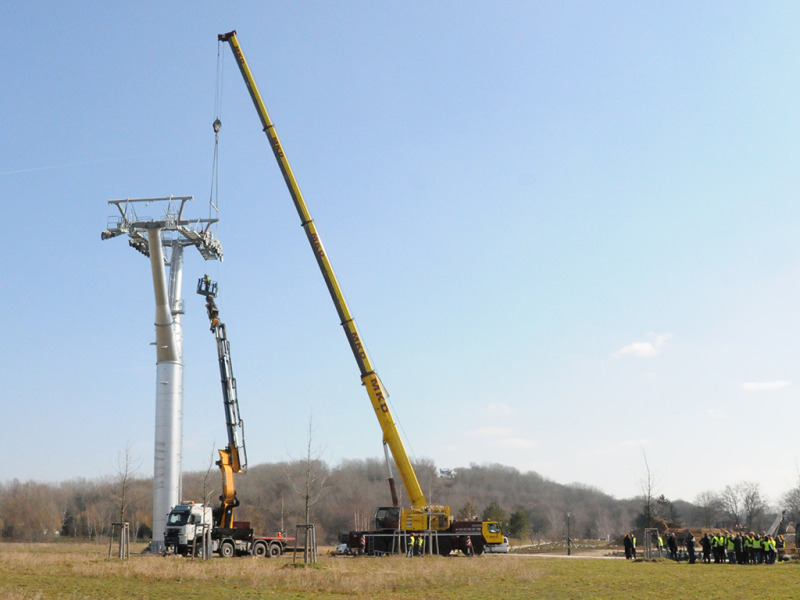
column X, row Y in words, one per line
column 78, row 571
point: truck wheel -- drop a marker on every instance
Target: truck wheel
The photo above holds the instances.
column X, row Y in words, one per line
column 226, row 549
column 260, row 550
column 477, row 544
column 275, row 550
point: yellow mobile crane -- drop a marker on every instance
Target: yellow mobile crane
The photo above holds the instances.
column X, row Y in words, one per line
column 435, row 520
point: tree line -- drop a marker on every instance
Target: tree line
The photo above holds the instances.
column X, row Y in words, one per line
column 274, row 497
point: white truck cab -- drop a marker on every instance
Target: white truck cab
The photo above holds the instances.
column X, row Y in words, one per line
column 185, row 525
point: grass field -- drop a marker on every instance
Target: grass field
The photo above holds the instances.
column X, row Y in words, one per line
column 61, row 571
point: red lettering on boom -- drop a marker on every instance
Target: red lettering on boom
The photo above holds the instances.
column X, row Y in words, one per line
column 376, row 387
column 358, row 345
column 317, row 245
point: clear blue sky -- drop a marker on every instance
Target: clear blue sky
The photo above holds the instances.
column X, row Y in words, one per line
column 568, row 233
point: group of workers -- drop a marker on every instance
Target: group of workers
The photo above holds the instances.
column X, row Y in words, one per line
column 737, row 548
column 415, row 545
column 741, row 548
column 629, row 543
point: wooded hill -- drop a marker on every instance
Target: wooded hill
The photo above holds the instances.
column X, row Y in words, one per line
column 344, row 497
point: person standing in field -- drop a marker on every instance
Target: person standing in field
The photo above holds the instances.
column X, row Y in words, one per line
column 672, row 544
column 738, row 548
column 626, row 543
column 690, row 548
column 705, row 544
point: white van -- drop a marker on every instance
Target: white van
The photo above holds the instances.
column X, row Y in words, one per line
column 497, row 548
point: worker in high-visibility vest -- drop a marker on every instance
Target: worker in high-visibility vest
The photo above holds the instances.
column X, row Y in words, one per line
column 715, row 547
column 758, row 550
column 770, row 550
column 730, row 546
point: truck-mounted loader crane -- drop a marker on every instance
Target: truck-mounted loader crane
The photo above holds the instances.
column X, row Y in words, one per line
column 188, row 521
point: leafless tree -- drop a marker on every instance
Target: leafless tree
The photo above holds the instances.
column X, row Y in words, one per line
column 313, row 489
column 648, row 485
column 208, row 489
column 125, row 473
column 753, row 504
column 707, row 507
column 790, row 502
column 731, row 503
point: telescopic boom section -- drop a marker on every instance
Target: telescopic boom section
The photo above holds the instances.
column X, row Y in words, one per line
column 369, row 378
column 234, row 458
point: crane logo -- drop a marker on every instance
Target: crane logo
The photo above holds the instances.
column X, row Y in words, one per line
column 317, row 243
column 357, row 345
column 377, row 392
column 276, row 144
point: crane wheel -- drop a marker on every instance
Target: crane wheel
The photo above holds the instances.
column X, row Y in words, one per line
column 477, row 544
column 260, row 550
column 275, row 550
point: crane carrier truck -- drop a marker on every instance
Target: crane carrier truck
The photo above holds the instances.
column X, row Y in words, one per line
column 392, row 523
column 194, row 528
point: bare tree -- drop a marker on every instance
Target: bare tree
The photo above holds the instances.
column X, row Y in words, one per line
column 753, row 505
column 313, row 489
column 731, row 503
column 208, row 489
column 125, row 473
column 648, row 486
column 790, row 502
column 707, row 507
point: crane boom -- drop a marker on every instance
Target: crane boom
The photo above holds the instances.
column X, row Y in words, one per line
column 233, row 459
column 369, row 378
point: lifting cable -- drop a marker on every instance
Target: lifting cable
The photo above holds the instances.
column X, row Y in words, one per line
column 213, row 201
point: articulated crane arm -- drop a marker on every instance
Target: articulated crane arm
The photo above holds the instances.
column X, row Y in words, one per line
column 234, row 458
column 370, row 379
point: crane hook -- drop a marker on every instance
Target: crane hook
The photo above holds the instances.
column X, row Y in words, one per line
column 217, row 125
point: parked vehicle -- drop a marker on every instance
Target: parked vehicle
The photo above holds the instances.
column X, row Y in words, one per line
column 199, row 529
column 498, row 548
column 189, row 523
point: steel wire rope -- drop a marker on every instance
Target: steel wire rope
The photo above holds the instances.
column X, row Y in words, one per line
column 213, row 201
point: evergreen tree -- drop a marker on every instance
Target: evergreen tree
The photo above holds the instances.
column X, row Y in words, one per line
column 519, row 523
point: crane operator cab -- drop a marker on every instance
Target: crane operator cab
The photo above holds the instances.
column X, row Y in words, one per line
column 387, row 517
